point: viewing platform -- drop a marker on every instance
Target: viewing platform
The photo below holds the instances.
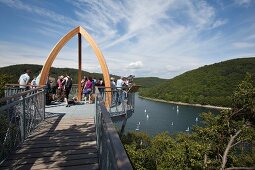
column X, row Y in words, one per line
column 82, row 136
column 65, row 140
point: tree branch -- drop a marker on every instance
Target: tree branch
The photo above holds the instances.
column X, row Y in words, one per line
column 224, row 158
column 240, row 168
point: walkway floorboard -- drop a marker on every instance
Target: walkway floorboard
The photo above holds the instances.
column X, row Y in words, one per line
column 65, row 140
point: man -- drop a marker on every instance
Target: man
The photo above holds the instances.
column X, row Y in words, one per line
column 119, row 83
column 33, row 82
column 113, row 89
column 119, row 86
column 67, row 88
column 24, row 79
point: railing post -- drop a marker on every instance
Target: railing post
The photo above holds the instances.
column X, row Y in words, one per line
column 23, row 119
column 44, row 102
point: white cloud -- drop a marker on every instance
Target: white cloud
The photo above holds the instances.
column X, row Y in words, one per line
column 135, row 65
column 219, row 23
column 51, row 15
column 157, row 38
column 243, row 2
column 243, row 45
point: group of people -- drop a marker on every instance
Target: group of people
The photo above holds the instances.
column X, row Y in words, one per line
column 59, row 90
column 88, row 86
column 119, row 88
column 54, row 91
column 24, row 80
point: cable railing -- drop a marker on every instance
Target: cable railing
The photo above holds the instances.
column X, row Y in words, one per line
column 20, row 114
column 112, row 154
column 122, row 100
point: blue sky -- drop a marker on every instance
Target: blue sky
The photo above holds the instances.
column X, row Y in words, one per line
column 162, row 38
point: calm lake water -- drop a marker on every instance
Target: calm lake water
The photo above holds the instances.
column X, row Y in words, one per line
column 156, row 117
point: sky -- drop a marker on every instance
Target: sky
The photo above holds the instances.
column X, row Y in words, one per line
column 159, row 38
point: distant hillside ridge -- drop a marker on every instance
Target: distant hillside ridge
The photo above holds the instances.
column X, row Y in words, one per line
column 14, row 71
column 147, row 82
column 208, row 85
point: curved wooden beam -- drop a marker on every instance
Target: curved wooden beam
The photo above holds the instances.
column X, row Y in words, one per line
column 47, row 65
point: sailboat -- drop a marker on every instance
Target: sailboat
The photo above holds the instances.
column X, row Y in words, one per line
column 187, row 130
column 138, row 126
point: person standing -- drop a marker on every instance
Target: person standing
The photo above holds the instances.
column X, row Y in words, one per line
column 67, row 88
column 59, row 90
column 33, row 82
column 119, row 86
column 24, row 79
column 113, row 89
column 101, row 87
column 87, row 88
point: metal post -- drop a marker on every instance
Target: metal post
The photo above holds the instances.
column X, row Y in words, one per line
column 23, row 119
column 44, row 101
column 79, row 66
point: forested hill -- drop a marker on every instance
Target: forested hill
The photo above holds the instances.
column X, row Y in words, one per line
column 147, row 82
column 210, row 84
column 14, row 71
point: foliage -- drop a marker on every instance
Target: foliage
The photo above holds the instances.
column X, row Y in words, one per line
column 4, row 79
column 147, row 82
column 211, row 84
column 138, row 148
column 224, row 140
column 244, row 99
column 16, row 70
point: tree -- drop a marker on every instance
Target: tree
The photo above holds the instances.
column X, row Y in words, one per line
column 225, row 141
column 5, row 78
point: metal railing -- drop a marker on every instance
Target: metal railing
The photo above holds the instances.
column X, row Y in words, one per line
column 14, row 89
column 122, row 101
column 112, row 154
column 19, row 114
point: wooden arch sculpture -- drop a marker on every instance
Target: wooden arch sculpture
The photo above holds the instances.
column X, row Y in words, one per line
column 80, row 31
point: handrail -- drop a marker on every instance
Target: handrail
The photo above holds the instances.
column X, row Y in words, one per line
column 18, row 95
column 20, row 115
column 112, row 154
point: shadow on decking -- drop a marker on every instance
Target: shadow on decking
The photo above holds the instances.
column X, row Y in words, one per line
column 57, row 145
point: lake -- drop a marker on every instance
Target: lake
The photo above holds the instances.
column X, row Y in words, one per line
column 156, row 117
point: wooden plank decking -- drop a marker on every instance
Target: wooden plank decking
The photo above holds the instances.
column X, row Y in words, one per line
column 65, row 140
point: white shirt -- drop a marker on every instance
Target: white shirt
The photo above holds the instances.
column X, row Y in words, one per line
column 113, row 84
column 119, row 83
column 23, row 80
column 38, row 79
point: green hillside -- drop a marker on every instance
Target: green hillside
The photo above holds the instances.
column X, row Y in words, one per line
column 210, row 84
column 15, row 71
column 147, row 82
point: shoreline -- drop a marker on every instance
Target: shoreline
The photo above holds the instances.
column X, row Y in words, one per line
column 186, row 104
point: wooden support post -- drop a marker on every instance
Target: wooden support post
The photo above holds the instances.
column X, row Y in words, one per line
column 79, row 67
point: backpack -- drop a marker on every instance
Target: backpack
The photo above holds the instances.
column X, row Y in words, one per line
column 68, row 84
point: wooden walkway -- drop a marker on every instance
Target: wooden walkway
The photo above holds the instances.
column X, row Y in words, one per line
column 65, row 140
